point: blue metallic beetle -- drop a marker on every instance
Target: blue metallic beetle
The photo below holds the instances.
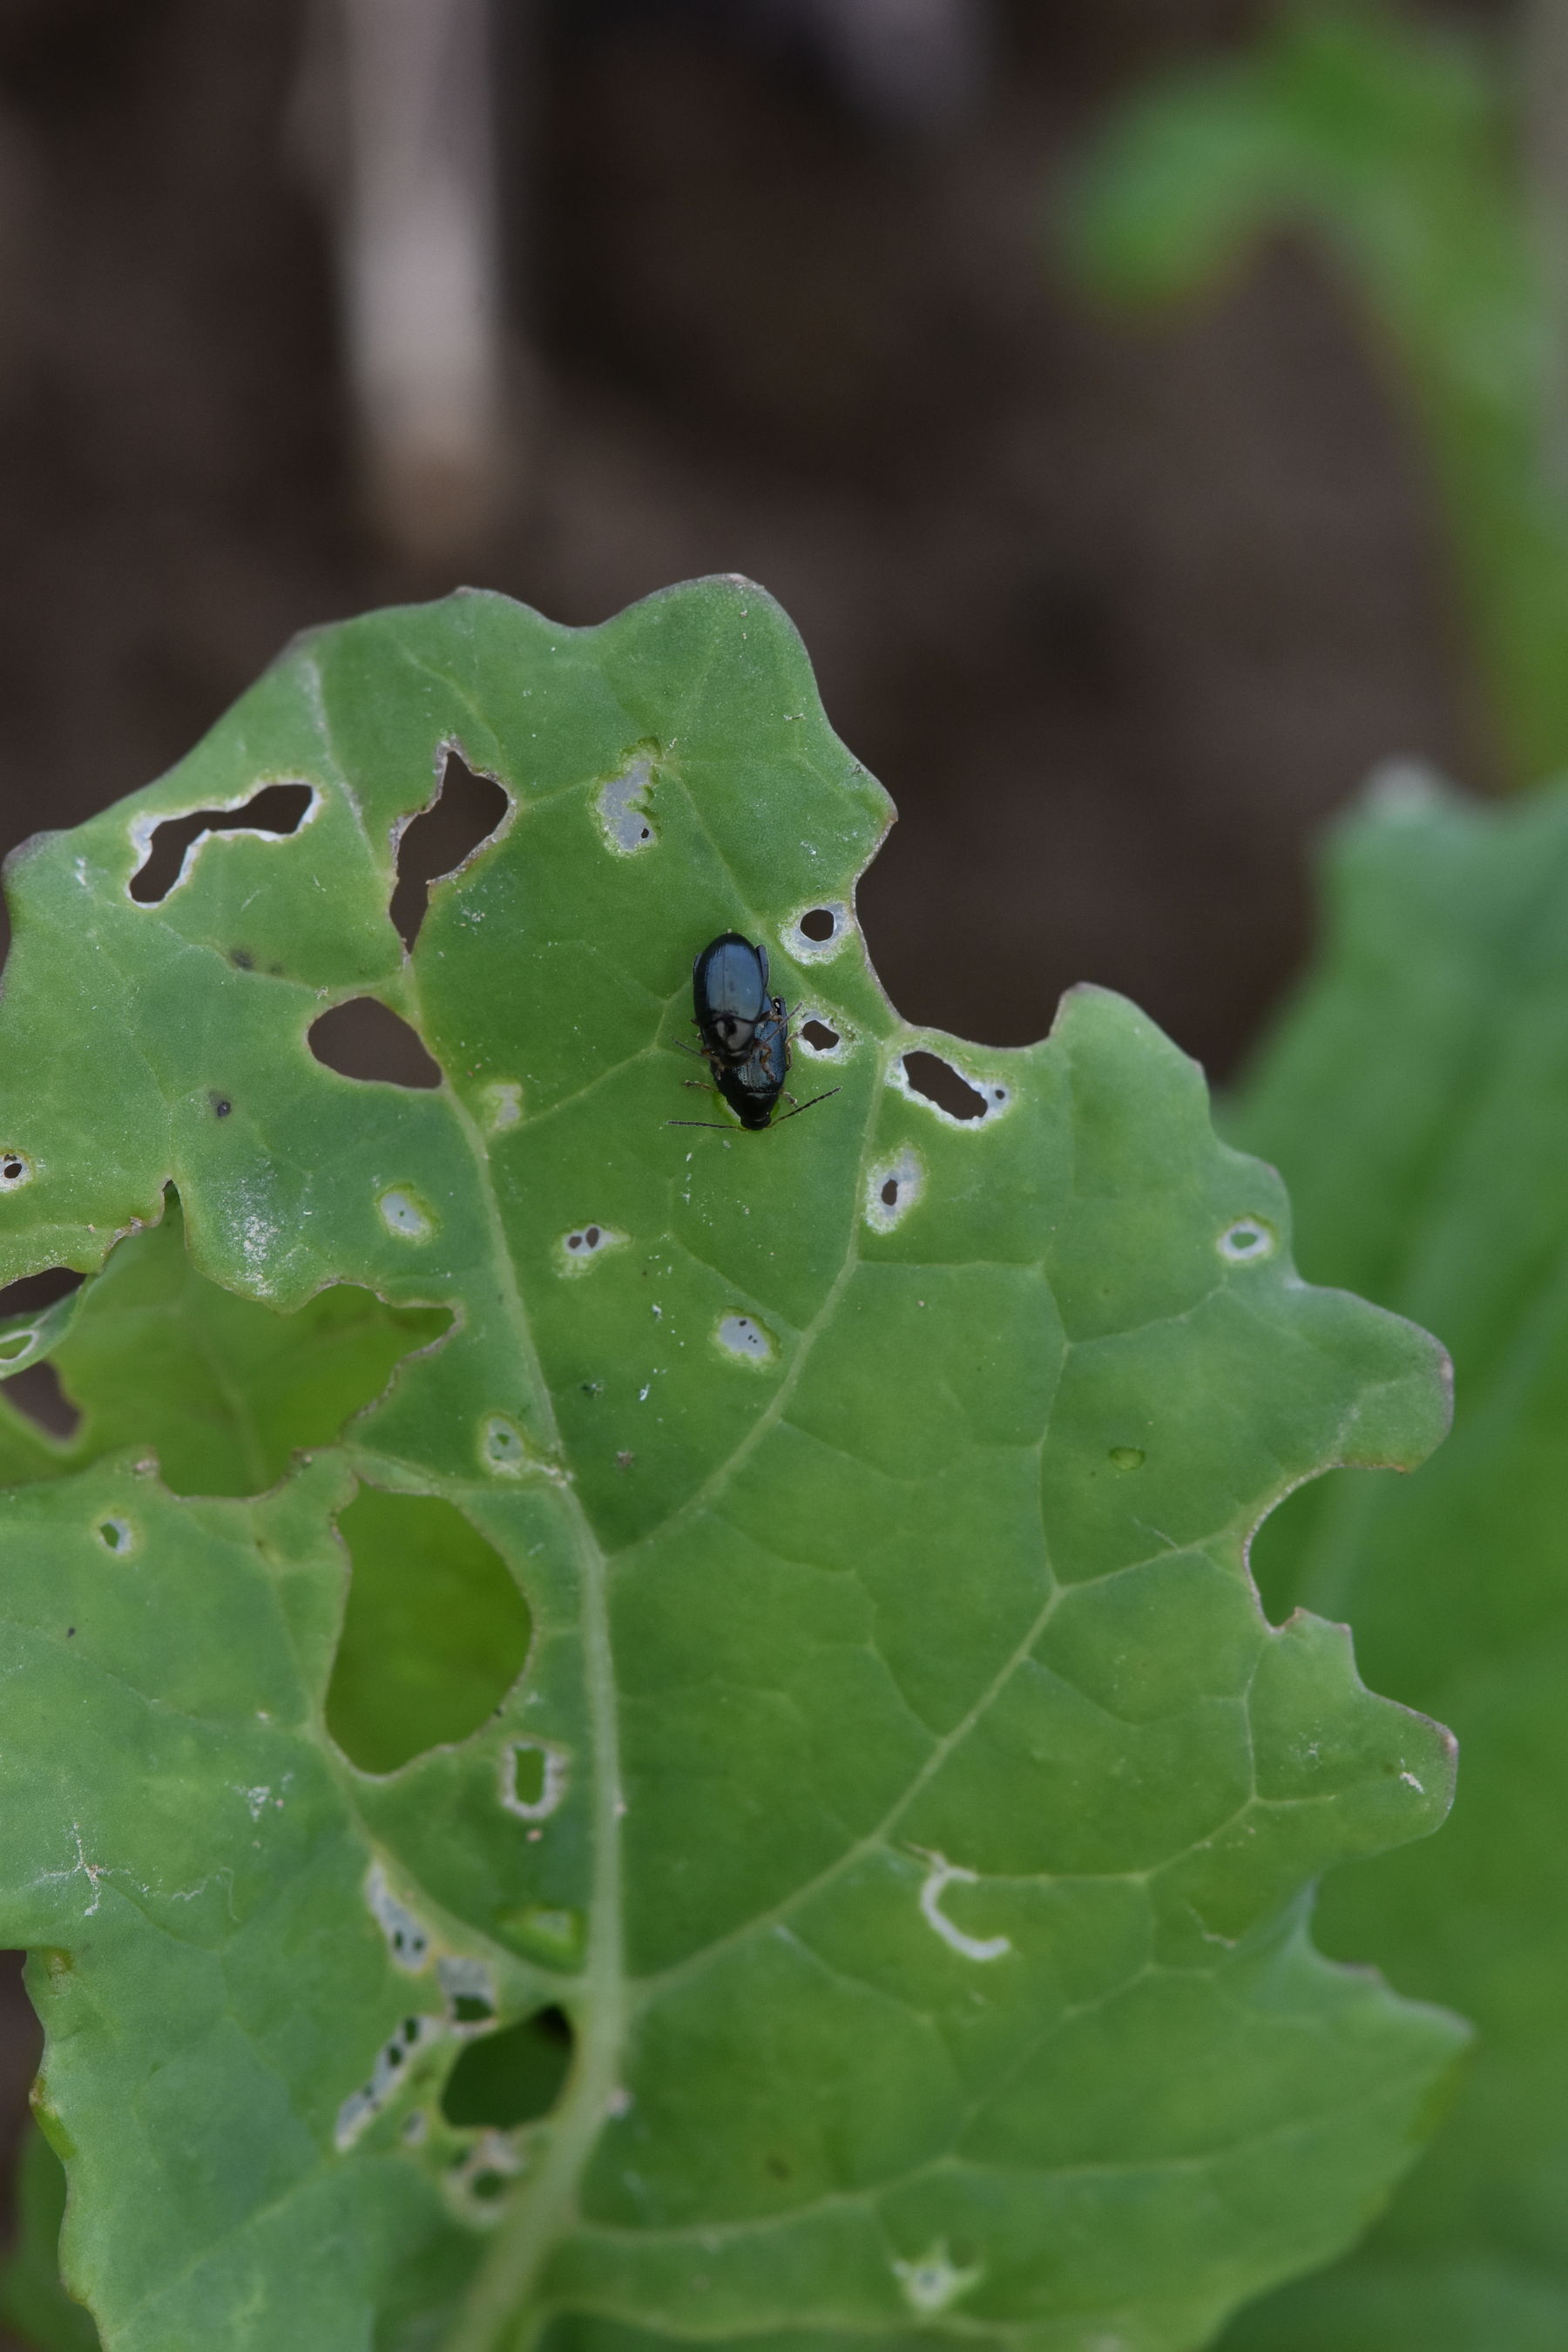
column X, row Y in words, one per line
column 744, row 1033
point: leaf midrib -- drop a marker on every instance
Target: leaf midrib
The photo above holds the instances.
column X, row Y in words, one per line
column 506, row 2278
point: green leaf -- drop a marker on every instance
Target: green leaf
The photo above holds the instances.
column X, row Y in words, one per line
column 32, row 2299
column 1417, row 1100
column 223, row 1391
column 1386, row 143
column 877, row 1901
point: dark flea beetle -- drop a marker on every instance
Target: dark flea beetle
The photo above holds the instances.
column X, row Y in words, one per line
column 744, row 1033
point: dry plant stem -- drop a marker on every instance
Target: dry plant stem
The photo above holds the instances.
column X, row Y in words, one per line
column 418, row 240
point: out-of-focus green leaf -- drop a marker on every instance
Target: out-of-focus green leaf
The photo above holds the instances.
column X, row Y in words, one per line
column 1417, row 1099
column 902, row 1816
column 1387, row 143
column 32, row 2300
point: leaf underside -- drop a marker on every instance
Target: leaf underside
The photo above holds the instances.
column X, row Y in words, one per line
column 1418, row 1098
column 856, row 1884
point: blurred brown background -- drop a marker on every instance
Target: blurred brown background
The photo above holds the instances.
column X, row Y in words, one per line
column 1118, row 614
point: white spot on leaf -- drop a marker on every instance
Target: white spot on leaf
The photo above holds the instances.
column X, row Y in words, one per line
column 533, row 1776
column 502, row 1106
column 386, row 2077
column 1247, row 1242
column 624, row 810
column 401, row 1214
column 406, row 1938
column 941, row 1875
column 501, row 1448
column 743, row 1335
column 585, row 1243
column 892, row 1191
column 934, row 2281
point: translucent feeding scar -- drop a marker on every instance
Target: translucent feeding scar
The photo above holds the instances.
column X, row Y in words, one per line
column 941, row 1875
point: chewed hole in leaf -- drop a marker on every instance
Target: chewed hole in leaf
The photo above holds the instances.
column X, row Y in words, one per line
column 623, row 810
column 16, row 1170
column 35, row 1391
column 278, row 808
column 1246, row 1241
column 927, row 1073
column 585, row 1243
column 116, row 1534
column 465, row 811
column 512, row 2077
column 892, row 1190
column 818, row 1037
column 742, row 1336
column 386, row 2078
column 816, row 932
column 299, row 1378
column 35, row 1292
column 367, row 1040
column 435, row 1632
column 469, row 1987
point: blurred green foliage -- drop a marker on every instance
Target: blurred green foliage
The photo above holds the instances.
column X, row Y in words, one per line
column 1389, row 144
column 1416, row 1097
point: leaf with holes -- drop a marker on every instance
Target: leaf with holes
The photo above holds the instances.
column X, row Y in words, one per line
column 799, row 1827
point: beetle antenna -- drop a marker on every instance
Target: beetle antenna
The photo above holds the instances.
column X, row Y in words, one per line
column 807, row 1106
column 714, row 1125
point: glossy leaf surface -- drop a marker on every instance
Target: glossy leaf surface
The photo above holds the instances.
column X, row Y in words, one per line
column 903, row 1810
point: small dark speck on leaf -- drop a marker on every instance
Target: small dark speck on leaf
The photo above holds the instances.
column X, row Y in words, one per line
column 221, row 1106
column 592, row 1388
column 242, row 959
column 69, row 1631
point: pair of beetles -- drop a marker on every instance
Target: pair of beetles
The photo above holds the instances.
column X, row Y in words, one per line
column 744, row 1033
